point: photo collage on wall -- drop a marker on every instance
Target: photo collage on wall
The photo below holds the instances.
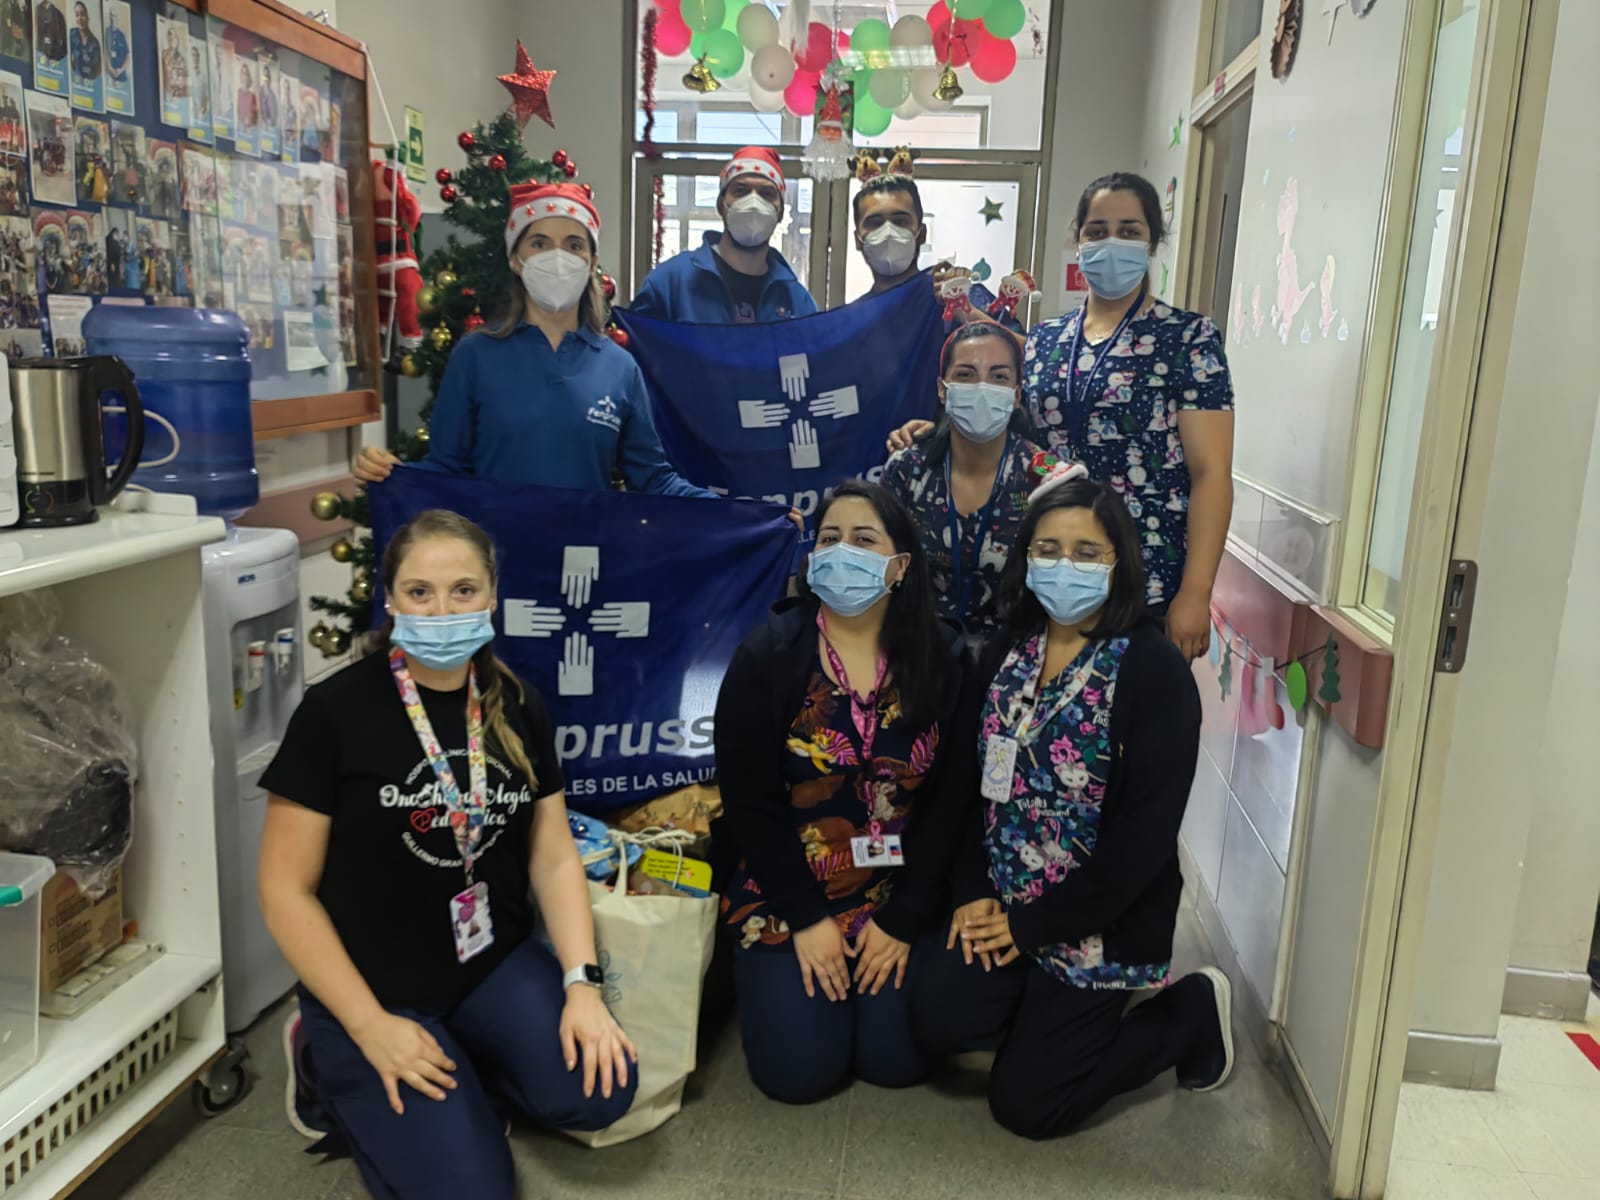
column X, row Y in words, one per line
column 153, row 155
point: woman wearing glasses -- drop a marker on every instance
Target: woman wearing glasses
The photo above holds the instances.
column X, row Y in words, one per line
column 1067, row 883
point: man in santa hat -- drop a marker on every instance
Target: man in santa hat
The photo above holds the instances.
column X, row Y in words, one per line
column 733, row 277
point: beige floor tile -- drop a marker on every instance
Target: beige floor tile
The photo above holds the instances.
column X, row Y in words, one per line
column 1557, row 1187
column 1446, row 1125
column 1535, row 1051
column 1439, row 1181
column 1546, row 1129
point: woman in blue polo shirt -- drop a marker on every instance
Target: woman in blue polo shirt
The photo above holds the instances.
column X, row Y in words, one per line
column 543, row 396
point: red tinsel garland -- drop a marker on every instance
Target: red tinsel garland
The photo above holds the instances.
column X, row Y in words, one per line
column 647, row 71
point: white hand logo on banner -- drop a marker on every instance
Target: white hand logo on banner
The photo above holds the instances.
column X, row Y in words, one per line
column 580, row 567
column 794, row 370
column 529, row 618
column 575, row 671
column 758, row 414
column 804, row 453
column 840, row 402
column 626, row 620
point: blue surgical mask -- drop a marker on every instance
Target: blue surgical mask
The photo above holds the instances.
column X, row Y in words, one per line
column 848, row 579
column 1114, row 266
column 981, row 411
column 443, row 642
column 1069, row 591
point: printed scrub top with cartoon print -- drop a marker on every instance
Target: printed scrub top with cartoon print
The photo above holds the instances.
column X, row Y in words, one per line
column 966, row 576
column 1122, row 424
column 834, row 797
column 1049, row 826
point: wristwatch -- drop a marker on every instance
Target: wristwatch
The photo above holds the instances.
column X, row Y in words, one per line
column 588, row 974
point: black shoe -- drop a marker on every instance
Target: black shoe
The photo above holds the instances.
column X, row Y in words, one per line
column 1209, row 1069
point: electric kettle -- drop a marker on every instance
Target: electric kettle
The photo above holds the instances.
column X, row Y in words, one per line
column 62, row 473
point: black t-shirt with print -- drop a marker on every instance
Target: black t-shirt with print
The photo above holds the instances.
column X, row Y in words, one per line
column 392, row 864
column 744, row 290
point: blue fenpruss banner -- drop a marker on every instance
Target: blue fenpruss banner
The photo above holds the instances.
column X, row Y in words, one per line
column 623, row 610
column 784, row 411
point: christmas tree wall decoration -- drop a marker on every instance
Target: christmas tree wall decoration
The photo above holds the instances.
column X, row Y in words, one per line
column 1328, row 692
column 467, row 282
column 1225, row 673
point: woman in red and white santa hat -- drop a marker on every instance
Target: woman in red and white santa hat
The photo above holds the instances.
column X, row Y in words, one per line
column 541, row 394
column 735, row 276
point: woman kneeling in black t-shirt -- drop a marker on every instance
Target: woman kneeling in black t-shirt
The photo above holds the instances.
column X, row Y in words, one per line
column 408, row 816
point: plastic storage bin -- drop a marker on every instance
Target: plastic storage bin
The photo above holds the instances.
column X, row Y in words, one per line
column 21, row 878
column 193, row 367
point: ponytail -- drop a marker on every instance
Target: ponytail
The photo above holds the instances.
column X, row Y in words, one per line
column 492, row 684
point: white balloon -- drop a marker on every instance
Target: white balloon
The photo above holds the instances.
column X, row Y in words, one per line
column 771, row 67
column 923, row 81
column 889, row 87
column 910, row 30
column 911, row 108
column 758, row 27
column 764, row 101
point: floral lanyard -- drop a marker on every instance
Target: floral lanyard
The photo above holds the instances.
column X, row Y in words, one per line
column 466, row 812
column 863, row 710
column 1029, row 724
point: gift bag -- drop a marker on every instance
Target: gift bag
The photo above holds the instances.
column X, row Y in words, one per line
column 654, row 951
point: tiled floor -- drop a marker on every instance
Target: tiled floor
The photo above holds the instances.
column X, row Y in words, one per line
column 1535, row 1137
column 729, row 1143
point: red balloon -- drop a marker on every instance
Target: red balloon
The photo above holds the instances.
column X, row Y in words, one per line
column 818, row 50
column 939, row 18
column 800, row 97
column 670, row 6
column 956, row 46
column 844, row 41
column 994, row 58
column 672, row 35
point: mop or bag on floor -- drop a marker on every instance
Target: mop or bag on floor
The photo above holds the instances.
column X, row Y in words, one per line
column 654, row 950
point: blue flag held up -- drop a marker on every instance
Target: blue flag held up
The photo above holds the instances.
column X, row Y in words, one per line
column 622, row 609
column 783, row 411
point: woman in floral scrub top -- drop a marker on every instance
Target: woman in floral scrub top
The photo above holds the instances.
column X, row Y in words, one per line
column 1067, row 884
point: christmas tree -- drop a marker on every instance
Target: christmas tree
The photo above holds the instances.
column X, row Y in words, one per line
column 1328, row 693
column 465, row 282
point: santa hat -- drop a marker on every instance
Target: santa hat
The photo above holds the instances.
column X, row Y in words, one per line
column 532, row 202
column 755, row 160
column 1052, row 473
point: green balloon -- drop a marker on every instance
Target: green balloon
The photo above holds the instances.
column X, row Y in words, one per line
column 871, row 34
column 735, row 7
column 1005, row 18
column 871, row 118
column 967, row 10
column 697, row 46
column 724, row 53
column 703, row 16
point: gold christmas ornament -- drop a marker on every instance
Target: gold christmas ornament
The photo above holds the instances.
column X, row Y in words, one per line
column 318, row 636
column 410, row 367
column 700, row 79
column 336, row 643
column 427, row 301
column 445, row 280
column 422, row 435
column 342, row 551
column 440, row 338
column 361, row 587
column 325, row 506
column 949, row 87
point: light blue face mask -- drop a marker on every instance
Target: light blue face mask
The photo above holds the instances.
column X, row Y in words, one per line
column 848, row 579
column 1114, row 267
column 981, row 411
column 1069, row 591
column 443, row 642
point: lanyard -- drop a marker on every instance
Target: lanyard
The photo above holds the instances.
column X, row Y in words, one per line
column 863, row 710
column 960, row 581
column 1030, row 724
column 466, row 812
column 1078, row 405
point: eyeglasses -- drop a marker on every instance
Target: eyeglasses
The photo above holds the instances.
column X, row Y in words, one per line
column 1051, row 552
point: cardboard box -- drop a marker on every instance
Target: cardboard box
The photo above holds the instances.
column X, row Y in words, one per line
column 77, row 930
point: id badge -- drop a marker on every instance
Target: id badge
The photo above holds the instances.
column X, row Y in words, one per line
column 878, row 852
column 470, row 922
column 999, row 768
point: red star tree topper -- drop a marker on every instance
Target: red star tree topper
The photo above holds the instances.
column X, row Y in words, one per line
column 530, row 89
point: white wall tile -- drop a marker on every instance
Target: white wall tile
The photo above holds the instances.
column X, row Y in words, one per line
column 1251, row 902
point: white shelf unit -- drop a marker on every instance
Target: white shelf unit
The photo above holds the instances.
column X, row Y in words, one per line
column 130, row 588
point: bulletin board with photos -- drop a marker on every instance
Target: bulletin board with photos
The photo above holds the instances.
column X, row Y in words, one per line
column 207, row 153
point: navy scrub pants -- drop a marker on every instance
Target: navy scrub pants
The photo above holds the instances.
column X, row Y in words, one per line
column 505, row 1043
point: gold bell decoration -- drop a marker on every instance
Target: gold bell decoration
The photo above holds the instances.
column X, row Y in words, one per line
column 410, row 367
column 336, row 643
column 949, row 87
column 318, row 636
column 361, row 587
column 325, row 506
column 427, row 301
column 700, row 79
column 342, row 551
column 445, row 280
column 440, row 338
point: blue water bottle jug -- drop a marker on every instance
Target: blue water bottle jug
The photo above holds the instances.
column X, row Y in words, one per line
column 192, row 366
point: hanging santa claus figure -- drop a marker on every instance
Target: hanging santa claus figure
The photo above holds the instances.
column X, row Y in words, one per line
column 399, row 280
